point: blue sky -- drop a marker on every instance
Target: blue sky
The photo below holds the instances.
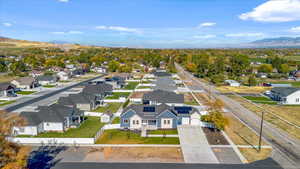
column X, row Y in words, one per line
column 150, row 23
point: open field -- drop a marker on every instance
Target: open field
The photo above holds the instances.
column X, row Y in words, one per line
column 289, row 113
column 4, row 102
column 6, row 78
column 242, row 89
column 109, row 108
column 137, row 154
column 87, row 129
column 293, row 83
column 117, row 95
column 129, row 137
column 144, row 87
column 49, row 86
column 260, row 99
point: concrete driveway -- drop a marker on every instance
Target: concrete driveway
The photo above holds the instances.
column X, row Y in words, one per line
column 194, row 145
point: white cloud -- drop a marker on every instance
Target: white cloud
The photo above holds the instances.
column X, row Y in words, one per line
column 204, row 36
column 68, row 32
column 274, row 11
column 118, row 28
column 6, row 24
column 207, row 24
column 295, row 29
column 244, row 35
column 65, row 1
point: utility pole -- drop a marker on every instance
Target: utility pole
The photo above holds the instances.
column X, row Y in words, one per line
column 260, row 133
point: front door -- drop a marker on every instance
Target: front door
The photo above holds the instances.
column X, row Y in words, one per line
column 167, row 123
column 185, row 120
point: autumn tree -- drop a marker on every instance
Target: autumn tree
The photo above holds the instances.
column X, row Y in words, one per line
column 12, row 156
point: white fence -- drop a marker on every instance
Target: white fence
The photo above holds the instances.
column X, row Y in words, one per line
column 95, row 114
column 132, row 80
column 111, row 126
column 143, row 90
column 123, row 91
column 55, row 141
column 120, row 100
column 147, row 84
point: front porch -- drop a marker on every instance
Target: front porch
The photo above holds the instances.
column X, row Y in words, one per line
column 149, row 124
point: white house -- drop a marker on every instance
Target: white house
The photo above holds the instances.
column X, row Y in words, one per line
column 62, row 75
column 25, row 82
column 232, row 83
column 47, row 79
column 286, row 95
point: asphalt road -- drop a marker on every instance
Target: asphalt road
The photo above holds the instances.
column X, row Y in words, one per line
column 263, row 164
column 46, row 96
column 286, row 150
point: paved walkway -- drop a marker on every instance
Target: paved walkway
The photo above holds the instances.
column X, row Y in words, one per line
column 194, row 145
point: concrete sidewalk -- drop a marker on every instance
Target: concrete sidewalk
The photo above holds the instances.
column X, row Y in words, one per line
column 195, row 146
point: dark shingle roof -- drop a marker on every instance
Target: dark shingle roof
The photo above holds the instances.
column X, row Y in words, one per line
column 82, row 98
column 161, row 74
column 97, row 89
column 47, row 78
column 6, row 85
column 156, row 110
column 161, row 96
column 25, row 80
column 284, row 91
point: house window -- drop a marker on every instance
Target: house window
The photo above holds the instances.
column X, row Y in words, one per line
column 297, row 100
column 137, row 122
column 133, row 122
column 125, row 121
column 47, row 124
column 22, row 129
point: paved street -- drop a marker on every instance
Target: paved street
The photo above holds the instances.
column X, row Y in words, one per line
column 286, row 149
column 45, row 99
column 194, row 145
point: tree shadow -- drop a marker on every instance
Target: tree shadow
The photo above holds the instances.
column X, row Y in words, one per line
column 44, row 157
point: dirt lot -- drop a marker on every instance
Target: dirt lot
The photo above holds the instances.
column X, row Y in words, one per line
column 242, row 89
column 214, row 137
column 137, row 94
column 253, row 155
column 189, row 99
column 134, row 154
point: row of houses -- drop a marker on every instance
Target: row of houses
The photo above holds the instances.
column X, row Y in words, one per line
column 67, row 113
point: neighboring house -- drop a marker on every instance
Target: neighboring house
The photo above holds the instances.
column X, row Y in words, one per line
column 286, row 95
column 232, row 83
column 54, row 118
column 99, row 90
column 125, row 76
column 165, row 83
column 117, row 82
column 81, row 101
column 158, row 117
column 77, row 72
column 25, row 83
column 7, row 90
column 36, row 73
column 63, row 75
column 160, row 96
column 47, row 79
column 99, row 69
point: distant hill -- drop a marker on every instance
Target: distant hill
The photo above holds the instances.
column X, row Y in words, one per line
column 278, row 42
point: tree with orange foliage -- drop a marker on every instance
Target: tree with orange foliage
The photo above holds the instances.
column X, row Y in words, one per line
column 12, row 156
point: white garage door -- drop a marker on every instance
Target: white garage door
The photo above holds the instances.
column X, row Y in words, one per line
column 185, row 120
column 195, row 122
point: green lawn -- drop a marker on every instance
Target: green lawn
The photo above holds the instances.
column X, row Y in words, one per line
column 25, row 92
column 4, row 102
column 128, row 137
column 261, row 100
column 131, row 85
column 163, row 131
column 117, row 95
column 49, row 86
column 146, row 82
column 116, row 120
column 87, row 129
column 110, row 108
column 144, row 87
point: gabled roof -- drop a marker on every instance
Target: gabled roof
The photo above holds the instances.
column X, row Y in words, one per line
column 53, row 113
column 284, row 91
column 47, row 78
column 25, row 80
column 97, row 89
column 6, row 85
column 161, row 96
column 82, row 98
column 154, row 111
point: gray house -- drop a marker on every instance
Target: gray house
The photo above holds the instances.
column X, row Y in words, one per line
column 156, row 117
column 47, row 79
column 7, row 90
column 81, row 101
column 99, row 90
column 25, row 83
column 54, row 118
column 160, row 96
column 286, row 95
